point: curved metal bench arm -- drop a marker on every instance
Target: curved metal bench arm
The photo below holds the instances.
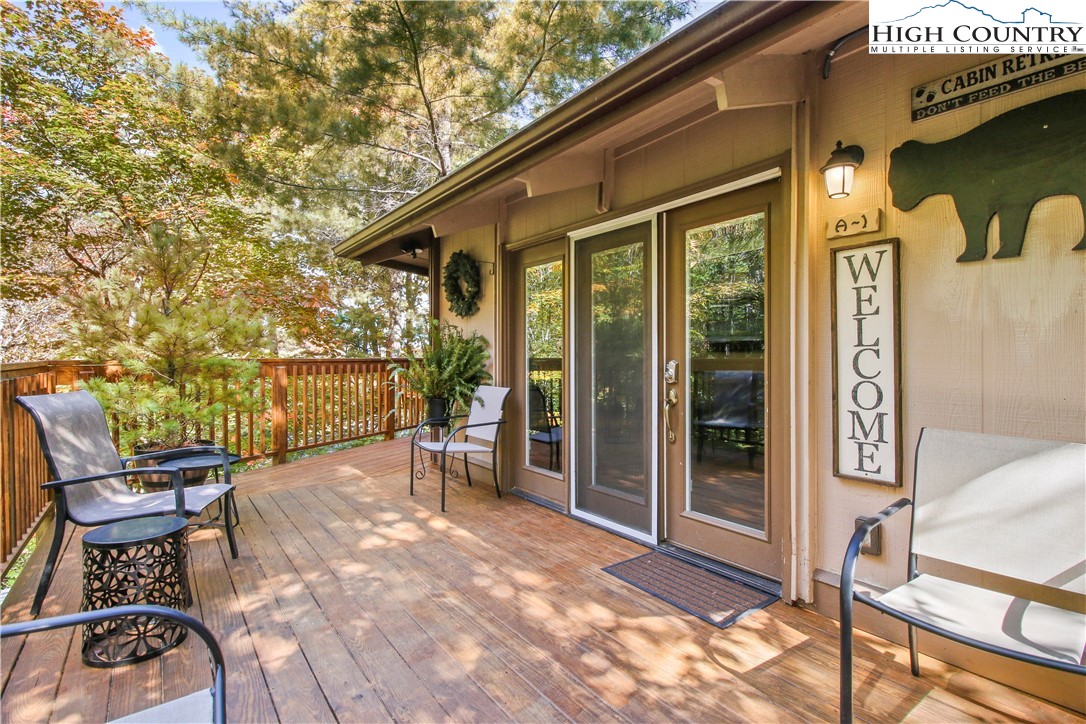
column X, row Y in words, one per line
column 218, row 688
column 848, row 594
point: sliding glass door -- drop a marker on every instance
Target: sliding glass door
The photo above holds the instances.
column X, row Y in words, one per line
column 614, row 326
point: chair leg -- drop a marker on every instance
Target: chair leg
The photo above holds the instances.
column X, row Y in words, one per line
column 411, row 478
column 846, row 659
column 467, row 470
column 443, row 482
column 914, row 654
column 229, row 525
column 50, row 565
column 494, row 467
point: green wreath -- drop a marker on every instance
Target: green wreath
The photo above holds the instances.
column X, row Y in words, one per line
column 462, row 284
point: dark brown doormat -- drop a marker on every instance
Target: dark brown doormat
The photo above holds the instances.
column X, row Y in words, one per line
column 705, row 594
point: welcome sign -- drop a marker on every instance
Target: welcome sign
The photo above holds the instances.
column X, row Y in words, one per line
column 866, row 390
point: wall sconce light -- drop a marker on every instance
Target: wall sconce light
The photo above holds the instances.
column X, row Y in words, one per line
column 840, row 169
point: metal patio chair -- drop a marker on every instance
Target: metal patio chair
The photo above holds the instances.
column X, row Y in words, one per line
column 484, row 422
column 205, row 705
column 88, row 476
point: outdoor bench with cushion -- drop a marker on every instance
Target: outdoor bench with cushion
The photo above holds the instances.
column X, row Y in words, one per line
column 1012, row 509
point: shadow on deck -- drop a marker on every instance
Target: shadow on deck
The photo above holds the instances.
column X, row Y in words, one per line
column 352, row 601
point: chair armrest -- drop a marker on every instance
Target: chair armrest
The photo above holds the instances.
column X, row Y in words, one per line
column 852, row 553
column 175, row 480
column 100, row 476
column 455, row 430
column 107, row 614
column 434, row 422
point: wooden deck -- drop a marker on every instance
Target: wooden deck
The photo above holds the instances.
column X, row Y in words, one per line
column 352, row 601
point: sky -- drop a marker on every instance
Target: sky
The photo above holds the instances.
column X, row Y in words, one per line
column 167, row 40
column 178, row 52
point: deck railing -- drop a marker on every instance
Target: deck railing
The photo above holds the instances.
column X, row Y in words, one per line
column 300, row 404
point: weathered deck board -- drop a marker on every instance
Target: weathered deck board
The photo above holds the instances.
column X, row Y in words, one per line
column 352, row 601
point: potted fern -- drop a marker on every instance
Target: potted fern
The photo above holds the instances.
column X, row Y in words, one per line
column 447, row 372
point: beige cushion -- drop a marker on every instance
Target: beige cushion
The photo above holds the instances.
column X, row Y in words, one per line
column 1012, row 506
column 196, row 707
column 454, row 448
column 994, row 618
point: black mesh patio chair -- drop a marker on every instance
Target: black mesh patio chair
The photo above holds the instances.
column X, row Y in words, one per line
column 484, row 423
column 543, row 427
column 206, row 705
column 88, row 482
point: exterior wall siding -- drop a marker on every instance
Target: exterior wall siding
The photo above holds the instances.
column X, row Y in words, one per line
column 711, row 147
column 481, row 244
column 995, row 346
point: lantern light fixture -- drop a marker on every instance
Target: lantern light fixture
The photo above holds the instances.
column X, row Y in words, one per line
column 840, row 170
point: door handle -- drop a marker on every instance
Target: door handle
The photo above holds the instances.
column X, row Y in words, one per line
column 670, row 401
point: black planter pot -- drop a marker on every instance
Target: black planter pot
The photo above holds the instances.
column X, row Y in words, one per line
column 160, row 481
column 437, row 409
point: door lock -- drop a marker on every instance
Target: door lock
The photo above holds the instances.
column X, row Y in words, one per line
column 671, row 372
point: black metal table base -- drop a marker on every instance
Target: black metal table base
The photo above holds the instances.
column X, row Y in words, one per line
column 134, row 561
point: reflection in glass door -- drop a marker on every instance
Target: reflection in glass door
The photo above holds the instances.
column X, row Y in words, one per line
column 725, row 303
column 614, row 471
column 543, row 324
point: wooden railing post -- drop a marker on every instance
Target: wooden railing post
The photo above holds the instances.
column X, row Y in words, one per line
column 389, row 393
column 279, row 415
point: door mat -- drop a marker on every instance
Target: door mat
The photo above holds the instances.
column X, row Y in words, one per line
column 705, row 594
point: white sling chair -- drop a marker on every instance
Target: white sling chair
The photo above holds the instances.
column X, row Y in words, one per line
column 484, row 423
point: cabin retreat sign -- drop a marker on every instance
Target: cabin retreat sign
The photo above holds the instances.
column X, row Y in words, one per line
column 994, row 78
column 866, row 342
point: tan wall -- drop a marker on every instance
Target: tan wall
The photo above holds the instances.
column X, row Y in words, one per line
column 481, row 245
column 535, row 216
column 714, row 146
column 707, row 149
column 996, row 346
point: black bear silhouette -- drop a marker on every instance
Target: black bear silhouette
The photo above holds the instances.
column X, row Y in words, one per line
column 1003, row 166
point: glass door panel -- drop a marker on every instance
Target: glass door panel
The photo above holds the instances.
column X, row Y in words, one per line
column 543, row 325
column 726, row 326
column 614, row 471
column 537, row 441
column 725, row 322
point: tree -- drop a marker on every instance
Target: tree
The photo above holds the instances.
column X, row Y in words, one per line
column 182, row 340
column 362, row 105
column 104, row 154
column 346, row 110
column 102, row 142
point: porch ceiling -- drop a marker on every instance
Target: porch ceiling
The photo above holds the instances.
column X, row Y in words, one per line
column 352, row 601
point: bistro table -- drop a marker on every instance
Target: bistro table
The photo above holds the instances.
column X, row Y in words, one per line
column 211, row 461
column 143, row 560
